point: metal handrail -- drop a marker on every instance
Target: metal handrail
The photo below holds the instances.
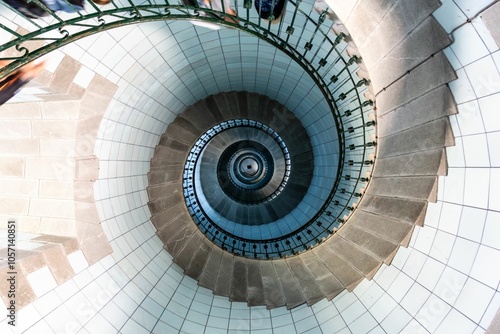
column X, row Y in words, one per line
column 326, row 63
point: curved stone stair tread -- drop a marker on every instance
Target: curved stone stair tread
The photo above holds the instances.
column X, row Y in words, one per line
column 163, row 203
column 199, row 259
column 191, row 244
column 326, row 281
column 429, row 36
column 381, row 249
column 392, row 230
column 225, row 275
column 159, row 190
column 177, row 211
column 429, row 136
column 290, row 287
column 359, row 259
column 165, row 176
column 173, row 143
column 175, row 232
column 273, row 293
column 437, row 103
column 176, row 132
column 374, row 42
column 208, row 277
column 308, row 285
column 239, row 281
column 431, row 74
column 425, row 163
column 411, row 211
column 416, row 188
column 255, row 286
column 173, row 156
column 340, row 268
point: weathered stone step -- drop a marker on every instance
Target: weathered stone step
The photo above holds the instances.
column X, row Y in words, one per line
column 290, row 287
column 340, row 268
column 255, row 286
column 225, row 275
column 414, row 188
column 326, row 281
column 310, row 289
column 427, row 163
column 187, row 253
column 208, row 277
column 407, row 210
column 273, row 292
column 239, row 281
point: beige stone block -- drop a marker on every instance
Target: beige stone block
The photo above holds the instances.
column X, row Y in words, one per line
column 57, row 227
column 54, row 128
column 12, row 166
column 84, row 146
column 52, row 208
column 86, row 212
column 23, row 223
column 87, row 169
column 27, row 110
column 50, row 168
column 57, row 261
column 83, row 191
column 18, row 187
column 93, row 242
column 19, row 147
column 58, row 110
column 70, row 244
column 15, row 129
column 56, row 189
column 14, row 205
column 57, row 147
column 89, row 126
column 65, row 73
column 24, row 293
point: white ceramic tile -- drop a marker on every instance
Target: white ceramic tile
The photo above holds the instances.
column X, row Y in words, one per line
column 494, row 153
column 485, row 34
column 469, row 118
column 463, row 255
column 483, row 76
column 450, row 285
column 453, row 191
column 396, row 321
column 471, row 8
column 472, row 223
column 77, row 261
column 468, row 46
column 84, row 77
column 455, row 322
column 491, row 311
column 41, row 281
column 477, row 183
column 461, row 88
column 494, row 193
column 489, row 112
column 483, row 269
column 476, row 151
column 99, row 324
column 492, row 230
column 432, row 313
column 474, row 299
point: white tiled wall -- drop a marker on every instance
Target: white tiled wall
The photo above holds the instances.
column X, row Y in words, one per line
column 447, row 281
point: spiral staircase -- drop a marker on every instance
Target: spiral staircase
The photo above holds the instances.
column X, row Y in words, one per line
column 231, row 167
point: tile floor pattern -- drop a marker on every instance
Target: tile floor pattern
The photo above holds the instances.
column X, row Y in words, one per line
column 444, row 282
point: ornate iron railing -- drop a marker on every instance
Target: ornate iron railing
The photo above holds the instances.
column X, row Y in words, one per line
column 307, row 38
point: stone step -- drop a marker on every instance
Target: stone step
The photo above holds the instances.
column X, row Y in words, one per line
column 176, row 132
column 410, row 211
column 356, row 256
column 395, row 231
column 163, row 203
column 427, row 163
column 172, row 156
column 430, row 136
column 176, row 233
column 273, row 292
column 173, row 144
column 412, row 188
column 239, row 281
column 185, row 254
column 168, row 175
column 160, row 219
column 327, row 282
column 255, row 286
column 430, row 38
column 201, row 121
column 310, row 289
column 160, row 190
column 209, row 106
column 340, row 268
column 381, row 249
column 225, row 275
column 290, row 287
column 208, row 277
column 199, row 260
